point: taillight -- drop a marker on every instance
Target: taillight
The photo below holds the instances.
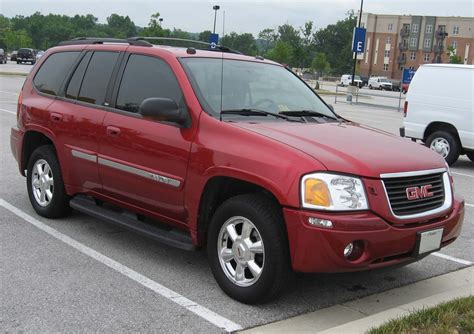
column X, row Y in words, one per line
column 18, row 108
column 405, row 109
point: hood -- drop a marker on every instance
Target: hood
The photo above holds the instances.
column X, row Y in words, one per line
column 351, row 148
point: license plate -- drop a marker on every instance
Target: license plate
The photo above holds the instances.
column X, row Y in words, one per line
column 428, row 241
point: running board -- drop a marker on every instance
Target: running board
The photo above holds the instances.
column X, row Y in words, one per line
column 171, row 237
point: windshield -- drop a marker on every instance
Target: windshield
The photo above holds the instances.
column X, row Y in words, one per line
column 249, row 85
column 383, row 80
column 356, row 77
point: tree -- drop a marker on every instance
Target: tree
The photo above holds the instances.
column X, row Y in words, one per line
column 15, row 40
column 282, row 52
column 268, row 36
column 320, row 63
column 121, row 26
column 244, row 43
column 453, row 58
column 205, row 36
column 307, row 43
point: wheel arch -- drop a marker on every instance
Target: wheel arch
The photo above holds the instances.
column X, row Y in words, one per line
column 33, row 139
column 442, row 126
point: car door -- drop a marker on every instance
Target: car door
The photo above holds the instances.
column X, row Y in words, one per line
column 143, row 162
column 77, row 118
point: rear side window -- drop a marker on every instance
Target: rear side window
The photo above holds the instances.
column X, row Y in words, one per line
column 98, row 73
column 75, row 83
column 146, row 77
column 54, row 70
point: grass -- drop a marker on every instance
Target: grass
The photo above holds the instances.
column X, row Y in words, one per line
column 13, row 73
column 455, row 317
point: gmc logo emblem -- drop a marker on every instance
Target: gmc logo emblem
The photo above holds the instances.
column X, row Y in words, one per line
column 419, row 192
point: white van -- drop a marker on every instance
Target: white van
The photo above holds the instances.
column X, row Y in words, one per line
column 380, row 83
column 346, row 80
column 439, row 109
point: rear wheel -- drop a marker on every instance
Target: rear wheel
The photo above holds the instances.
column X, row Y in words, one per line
column 45, row 184
column 248, row 249
column 445, row 144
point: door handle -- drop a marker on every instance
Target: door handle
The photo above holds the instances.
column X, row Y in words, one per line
column 56, row 117
column 112, row 131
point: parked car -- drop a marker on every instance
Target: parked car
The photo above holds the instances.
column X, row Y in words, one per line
column 26, row 55
column 441, row 115
column 3, row 57
column 346, row 80
column 256, row 167
column 39, row 54
column 381, row 83
column 13, row 55
column 396, row 85
column 365, row 80
column 405, row 87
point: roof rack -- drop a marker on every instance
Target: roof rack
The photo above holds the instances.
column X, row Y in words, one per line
column 101, row 40
column 185, row 42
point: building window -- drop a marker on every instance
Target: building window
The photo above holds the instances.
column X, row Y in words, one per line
column 413, row 41
column 414, row 28
column 385, row 67
column 388, row 40
column 386, row 53
column 454, row 45
column 429, row 29
column 427, row 43
column 390, row 26
column 426, row 57
column 456, row 30
column 413, row 56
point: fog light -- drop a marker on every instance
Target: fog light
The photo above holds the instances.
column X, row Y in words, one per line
column 348, row 250
column 320, row 222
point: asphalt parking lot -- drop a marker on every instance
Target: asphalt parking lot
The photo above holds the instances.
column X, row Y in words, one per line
column 80, row 274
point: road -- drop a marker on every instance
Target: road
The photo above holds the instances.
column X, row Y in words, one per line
column 80, row 274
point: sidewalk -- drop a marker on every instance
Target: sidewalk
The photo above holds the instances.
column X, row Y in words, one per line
column 360, row 315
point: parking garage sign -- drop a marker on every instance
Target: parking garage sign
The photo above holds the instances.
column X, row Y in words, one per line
column 358, row 40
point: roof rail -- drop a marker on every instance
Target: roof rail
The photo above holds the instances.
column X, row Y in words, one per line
column 102, row 40
column 219, row 48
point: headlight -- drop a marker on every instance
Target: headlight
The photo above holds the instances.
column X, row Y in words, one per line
column 325, row 191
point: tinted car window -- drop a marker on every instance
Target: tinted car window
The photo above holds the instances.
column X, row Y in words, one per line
column 76, row 79
column 146, row 77
column 54, row 70
column 95, row 82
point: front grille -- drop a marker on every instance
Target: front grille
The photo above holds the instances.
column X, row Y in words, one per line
column 396, row 188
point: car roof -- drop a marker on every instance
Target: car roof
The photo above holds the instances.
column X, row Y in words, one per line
column 178, row 52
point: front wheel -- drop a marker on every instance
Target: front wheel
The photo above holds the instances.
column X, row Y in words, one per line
column 45, row 184
column 248, row 249
column 445, row 144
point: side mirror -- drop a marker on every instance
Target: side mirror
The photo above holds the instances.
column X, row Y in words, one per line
column 162, row 109
column 331, row 107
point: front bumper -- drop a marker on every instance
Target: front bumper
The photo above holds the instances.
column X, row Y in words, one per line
column 320, row 250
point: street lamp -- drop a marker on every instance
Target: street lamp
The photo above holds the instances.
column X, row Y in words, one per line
column 215, row 8
column 161, row 21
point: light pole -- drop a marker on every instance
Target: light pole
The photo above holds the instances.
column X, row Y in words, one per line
column 161, row 21
column 216, row 8
column 355, row 53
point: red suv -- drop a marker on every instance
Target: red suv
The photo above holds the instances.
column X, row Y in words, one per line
column 196, row 147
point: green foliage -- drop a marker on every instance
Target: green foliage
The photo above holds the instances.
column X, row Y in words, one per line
column 453, row 58
column 205, row 36
column 268, row 37
column 17, row 39
column 242, row 42
column 282, row 52
column 320, row 63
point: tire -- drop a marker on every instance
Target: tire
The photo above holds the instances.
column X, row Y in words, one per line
column 48, row 201
column 17, row 62
column 370, row 86
column 470, row 155
column 265, row 221
column 446, row 144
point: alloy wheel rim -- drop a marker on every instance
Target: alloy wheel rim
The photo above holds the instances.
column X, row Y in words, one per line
column 441, row 146
column 42, row 182
column 241, row 251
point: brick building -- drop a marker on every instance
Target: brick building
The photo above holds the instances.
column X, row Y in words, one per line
column 395, row 42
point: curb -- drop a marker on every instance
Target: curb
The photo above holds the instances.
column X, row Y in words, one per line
column 14, row 73
column 358, row 316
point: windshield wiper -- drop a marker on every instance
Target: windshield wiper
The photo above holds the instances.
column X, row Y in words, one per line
column 255, row 112
column 306, row 113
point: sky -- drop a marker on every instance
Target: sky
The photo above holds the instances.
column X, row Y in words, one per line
column 240, row 15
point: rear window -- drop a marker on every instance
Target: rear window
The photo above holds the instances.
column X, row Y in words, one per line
column 53, row 71
column 95, row 82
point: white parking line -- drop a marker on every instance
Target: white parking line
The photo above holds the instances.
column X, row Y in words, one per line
column 451, row 258
column 471, row 205
column 4, row 92
column 461, row 174
column 8, row 111
column 175, row 297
